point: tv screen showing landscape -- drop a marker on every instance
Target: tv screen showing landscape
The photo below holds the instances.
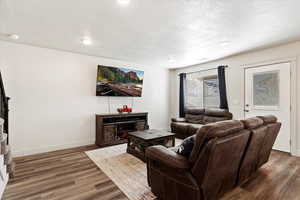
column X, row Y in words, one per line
column 115, row 81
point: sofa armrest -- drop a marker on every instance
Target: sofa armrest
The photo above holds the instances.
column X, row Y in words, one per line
column 178, row 120
column 167, row 157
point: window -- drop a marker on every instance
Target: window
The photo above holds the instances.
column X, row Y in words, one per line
column 211, row 95
column 194, row 90
column 201, row 91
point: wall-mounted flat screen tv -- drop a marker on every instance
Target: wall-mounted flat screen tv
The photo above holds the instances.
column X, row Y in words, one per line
column 118, row 81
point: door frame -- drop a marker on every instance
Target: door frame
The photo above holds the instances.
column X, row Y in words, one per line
column 293, row 93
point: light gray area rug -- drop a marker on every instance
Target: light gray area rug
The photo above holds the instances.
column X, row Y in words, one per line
column 126, row 171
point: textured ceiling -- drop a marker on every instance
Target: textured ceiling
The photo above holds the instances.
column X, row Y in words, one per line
column 159, row 33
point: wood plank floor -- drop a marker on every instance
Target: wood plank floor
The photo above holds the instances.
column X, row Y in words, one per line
column 279, row 179
column 71, row 175
column 66, row 175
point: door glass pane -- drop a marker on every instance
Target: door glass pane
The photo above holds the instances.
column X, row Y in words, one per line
column 266, row 89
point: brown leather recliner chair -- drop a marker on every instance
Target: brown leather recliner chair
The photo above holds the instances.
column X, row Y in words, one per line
column 195, row 119
column 224, row 155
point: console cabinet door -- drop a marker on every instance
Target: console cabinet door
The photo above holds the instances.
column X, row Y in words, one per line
column 140, row 126
column 109, row 133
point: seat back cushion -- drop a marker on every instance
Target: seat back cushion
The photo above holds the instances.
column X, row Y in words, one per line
column 218, row 113
column 196, row 119
column 252, row 123
column 215, row 130
column 268, row 119
column 269, row 140
column 216, row 168
column 211, row 119
column 249, row 164
column 194, row 111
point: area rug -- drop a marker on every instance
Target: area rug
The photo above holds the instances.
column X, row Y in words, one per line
column 126, row 171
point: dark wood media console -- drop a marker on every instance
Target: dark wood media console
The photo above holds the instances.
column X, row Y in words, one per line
column 112, row 129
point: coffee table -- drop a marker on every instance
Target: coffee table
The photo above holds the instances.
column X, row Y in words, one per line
column 138, row 141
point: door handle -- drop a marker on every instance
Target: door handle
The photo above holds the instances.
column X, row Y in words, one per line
column 246, row 110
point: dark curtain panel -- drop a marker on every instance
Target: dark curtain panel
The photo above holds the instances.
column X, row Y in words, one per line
column 222, row 87
column 182, row 78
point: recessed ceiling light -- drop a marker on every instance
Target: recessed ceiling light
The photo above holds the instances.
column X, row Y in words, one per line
column 123, row 2
column 86, row 41
column 13, row 36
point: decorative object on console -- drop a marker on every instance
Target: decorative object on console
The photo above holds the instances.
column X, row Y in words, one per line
column 113, row 129
column 125, row 109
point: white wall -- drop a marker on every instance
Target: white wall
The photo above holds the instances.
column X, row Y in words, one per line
column 53, row 102
column 235, row 79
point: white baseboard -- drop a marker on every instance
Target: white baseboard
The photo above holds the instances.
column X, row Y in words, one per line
column 44, row 149
column 297, row 153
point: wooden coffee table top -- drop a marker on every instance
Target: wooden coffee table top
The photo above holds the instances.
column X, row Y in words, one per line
column 151, row 134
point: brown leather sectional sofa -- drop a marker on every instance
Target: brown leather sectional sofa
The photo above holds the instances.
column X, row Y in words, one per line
column 225, row 155
column 195, row 119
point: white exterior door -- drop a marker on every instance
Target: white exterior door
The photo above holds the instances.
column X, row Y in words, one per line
column 267, row 91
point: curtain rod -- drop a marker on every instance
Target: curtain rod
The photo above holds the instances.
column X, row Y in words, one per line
column 204, row 70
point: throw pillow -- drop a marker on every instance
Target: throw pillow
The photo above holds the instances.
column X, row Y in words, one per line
column 187, row 146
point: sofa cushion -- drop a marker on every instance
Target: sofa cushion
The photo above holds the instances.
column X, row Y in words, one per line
column 210, row 119
column 194, row 111
column 268, row 119
column 186, row 146
column 218, row 113
column 253, row 122
column 196, row 119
